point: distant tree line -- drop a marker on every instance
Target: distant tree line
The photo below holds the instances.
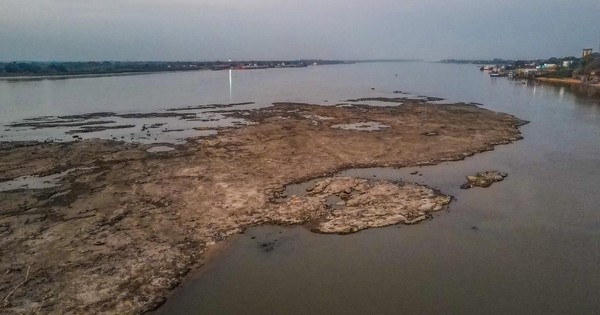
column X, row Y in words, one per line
column 115, row 67
column 92, row 67
column 22, row 67
column 588, row 64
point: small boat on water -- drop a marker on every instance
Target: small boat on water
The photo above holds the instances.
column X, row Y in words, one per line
column 495, row 74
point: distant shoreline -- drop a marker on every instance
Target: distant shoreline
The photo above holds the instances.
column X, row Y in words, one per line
column 107, row 74
column 90, row 75
column 47, row 70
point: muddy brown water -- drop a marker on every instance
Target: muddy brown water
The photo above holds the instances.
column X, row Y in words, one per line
column 527, row 245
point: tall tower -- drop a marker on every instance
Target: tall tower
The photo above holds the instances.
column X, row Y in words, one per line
column 586, row 51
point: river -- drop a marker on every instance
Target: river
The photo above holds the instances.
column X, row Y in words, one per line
column 527, row 245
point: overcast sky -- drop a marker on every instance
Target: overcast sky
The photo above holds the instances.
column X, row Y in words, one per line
column 291, row 29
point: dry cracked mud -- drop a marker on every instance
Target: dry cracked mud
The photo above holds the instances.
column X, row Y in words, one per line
column 124, row 226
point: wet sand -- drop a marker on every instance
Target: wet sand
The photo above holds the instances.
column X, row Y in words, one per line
column 124, row 227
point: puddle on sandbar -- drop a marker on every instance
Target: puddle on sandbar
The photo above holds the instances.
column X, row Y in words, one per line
column 160, row 148
column 299, row 189
column 171, row 126
column 36, row 182
column 378, row 103
column 362, row 126
column 318, row 117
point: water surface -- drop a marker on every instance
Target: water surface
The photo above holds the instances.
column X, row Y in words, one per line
column 527, row 245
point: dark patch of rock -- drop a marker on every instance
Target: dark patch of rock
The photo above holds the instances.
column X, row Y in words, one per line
column 483, row 179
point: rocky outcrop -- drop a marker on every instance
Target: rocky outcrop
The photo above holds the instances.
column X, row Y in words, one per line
column 483, row 179
column 345, row 205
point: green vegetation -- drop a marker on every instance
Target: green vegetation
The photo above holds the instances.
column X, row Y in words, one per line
column 33, row 68
column 589, row 64
column 586, row 68
column 22, row 67
column 564, row 72
column 564, row 67
column 91, row 67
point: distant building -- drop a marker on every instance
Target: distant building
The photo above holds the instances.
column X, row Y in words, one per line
column 567, row 63
column 526, row 72
column 585, row 52
column 547, row 67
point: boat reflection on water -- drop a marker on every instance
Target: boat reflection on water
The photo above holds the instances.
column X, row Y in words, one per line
column 586, row 94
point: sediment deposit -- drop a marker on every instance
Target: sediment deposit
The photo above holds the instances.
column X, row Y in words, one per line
column 123, row 227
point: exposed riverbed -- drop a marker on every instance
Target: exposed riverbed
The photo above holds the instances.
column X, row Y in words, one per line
column 128, row 206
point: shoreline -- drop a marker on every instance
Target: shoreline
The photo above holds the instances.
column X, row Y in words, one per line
column 121, row 231
column 91, row 75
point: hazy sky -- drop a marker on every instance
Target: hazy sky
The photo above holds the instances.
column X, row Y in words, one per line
column 291, row 29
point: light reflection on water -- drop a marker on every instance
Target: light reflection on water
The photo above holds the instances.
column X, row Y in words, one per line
column 230, row 86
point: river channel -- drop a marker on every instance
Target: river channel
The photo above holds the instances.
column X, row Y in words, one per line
column 527, row 245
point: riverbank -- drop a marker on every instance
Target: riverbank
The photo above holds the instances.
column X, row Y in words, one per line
column 123, row 226
column 80, row 76
column 34, row 70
